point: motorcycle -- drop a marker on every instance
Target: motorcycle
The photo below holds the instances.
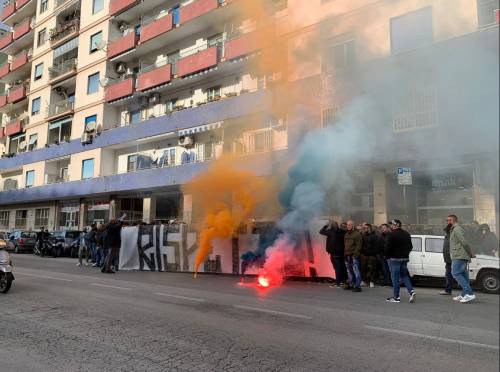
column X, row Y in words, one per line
column 6, row 276
column 42, row 248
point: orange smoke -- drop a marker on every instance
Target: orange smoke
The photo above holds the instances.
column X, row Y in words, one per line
column 227, row 197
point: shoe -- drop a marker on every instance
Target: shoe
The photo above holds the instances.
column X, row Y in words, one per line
column 78, row 264
column 467, row 298
column 363, row 284
column 347, row 287
column 458, row 298
column 393, row 299
column 372, row 285
column 356, row 289
column 333, row 286
column 413, row 297
column 444, row 293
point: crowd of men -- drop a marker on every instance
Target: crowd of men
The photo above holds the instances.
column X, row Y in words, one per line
column 361, row 255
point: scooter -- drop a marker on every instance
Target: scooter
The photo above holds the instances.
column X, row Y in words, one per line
column 6, row 276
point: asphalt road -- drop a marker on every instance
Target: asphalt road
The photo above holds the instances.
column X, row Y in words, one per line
column 58, row 317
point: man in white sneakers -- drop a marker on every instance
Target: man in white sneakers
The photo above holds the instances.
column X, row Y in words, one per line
column 461, row 255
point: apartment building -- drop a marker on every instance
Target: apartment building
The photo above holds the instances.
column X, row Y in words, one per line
column 112, row 105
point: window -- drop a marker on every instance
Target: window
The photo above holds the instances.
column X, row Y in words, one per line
column 41, row 217
column 44, row 5
column 87, row 168
column 30, row 178
column 38, row 71
column 35, row 106
column 329, row 116
column 339, row 56
column 93, row 83
column 90, row 119
column 487, row 12
column 135, row 116
column 131, row 163
column 170, row 104
column 21, row 216
column 33, row 142
column 60, row 131
column 14, row 144
column 419, row 110
column 417, row 244
column 97, row 6
column 4, row 219
column 411, row 30
column 94, row 41
column 434, row 245
column 42, row 37
column 213, row 93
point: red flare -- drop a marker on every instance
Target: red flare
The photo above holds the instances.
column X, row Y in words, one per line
column 263, row 281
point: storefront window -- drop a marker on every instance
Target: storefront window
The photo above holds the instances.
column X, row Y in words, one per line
column 69, row 214
column 97, row 212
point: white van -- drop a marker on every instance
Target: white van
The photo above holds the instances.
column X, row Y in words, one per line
column 426, row 259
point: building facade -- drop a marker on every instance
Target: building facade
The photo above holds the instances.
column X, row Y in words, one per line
column 112, row 105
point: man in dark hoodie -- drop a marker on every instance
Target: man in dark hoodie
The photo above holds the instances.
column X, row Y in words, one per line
column 113, row 241
column 335, row 248
column 447, row 258
column 370, row 252
column 398, row 250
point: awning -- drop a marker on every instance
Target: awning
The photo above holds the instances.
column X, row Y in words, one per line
column 58, row 123
column 201, row 128
column 66, row 47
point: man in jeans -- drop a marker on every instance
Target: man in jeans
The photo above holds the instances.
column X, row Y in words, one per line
column 353, row 243
column 461, row 255
column 447, row 258
column 398, row 248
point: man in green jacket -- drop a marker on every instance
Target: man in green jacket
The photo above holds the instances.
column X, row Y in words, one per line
column 461, row 255
column 353, row 243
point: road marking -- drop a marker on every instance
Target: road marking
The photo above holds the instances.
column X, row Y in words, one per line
column 44, row 277
column 272, row 312
column 179, row 297
column 111, row 286
column 437, row 338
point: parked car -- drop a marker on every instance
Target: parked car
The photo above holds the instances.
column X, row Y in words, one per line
column 426, row 260
column 21, row 241
column 64, row 243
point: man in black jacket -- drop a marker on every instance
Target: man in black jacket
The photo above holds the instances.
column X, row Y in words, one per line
column 113, row 241
column 335, row 248
column 398, row 250
column 370, row 251
column 447, row 258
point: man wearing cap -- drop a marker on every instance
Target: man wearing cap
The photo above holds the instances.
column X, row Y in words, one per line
column 398, row 248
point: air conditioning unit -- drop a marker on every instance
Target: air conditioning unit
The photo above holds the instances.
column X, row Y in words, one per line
column 154, row 98
column 86, row 138
column 186, row 141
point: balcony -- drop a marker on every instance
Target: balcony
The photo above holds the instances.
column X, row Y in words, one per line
column 62, row 71
column 17, row 94
column 20, row 60
column 22, row 29
column 13, row 127
column 197, row 62
column 119, row 90
column 122, row 45
column 64, row 33
column 241, row 46
column 118, row 6
column 197, row 9
column 60, row 109
column 4, row 69
column 2, row 132
column 6, row 40
column 155, row 28
column 21, row 3
column 8, row 11
column 155, row 77
column 3, row 100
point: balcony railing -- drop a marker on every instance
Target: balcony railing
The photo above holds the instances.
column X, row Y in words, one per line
column 198, row 62
column 3, row 100
column 119, row 89
column 22, row 29
column 21, row 3
column 62, row 69
column 122, row 45
column 8, row 10
column 4, row 69
column 60, row 108
column 196, row 9
column 62, row 32
column 155, row 75
column 20, row 60
column 155, row 27
column 17, row 93
column 14, row 126
column 118, row 6
column 6, row 40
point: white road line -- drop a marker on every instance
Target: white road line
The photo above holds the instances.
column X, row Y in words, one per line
column 443, row 339
column 111, row 286
column 43, row 277
column 272, row 312
column 179, row 297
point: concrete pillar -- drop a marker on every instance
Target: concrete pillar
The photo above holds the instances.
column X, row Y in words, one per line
column 83, row 215
column 112, row 207
column 149, row 209
column 187, row 208
column 379, row 198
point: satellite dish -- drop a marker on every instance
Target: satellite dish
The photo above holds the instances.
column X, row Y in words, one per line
column 91, row 126
column 22, row 145
column 104, row 82
column 101, row 44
